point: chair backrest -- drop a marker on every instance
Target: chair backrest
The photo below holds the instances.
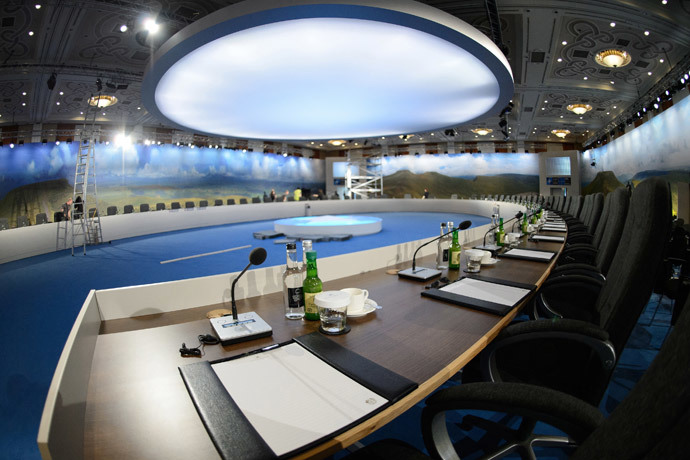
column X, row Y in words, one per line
column 565, row 203
column 203, row 203
column 23, row 221
column 188, row 204
column 231, row 201
column 256, row 199
column 575, row 206
column 5, row 223
column 111, row 210
column 586, row 208
column 160, row 206
column 144, row 207
column 243, row 201
column 613, row 227
column 128, row 209
column 652, row 421
column 175, row 205
column 218, row 203
column 41, row 218
column 93, row 212
column 631, row 277
column 407, row 195
column 596, row 206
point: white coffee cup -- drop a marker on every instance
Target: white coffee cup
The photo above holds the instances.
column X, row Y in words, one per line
column 486, row 257
column 357, row 299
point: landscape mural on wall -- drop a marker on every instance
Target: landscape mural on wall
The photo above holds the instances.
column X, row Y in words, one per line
column 659, row 147
column 465, row 175
column 38, row 178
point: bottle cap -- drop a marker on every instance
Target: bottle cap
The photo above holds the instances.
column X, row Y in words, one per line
column 291, row 246
column 332, row 299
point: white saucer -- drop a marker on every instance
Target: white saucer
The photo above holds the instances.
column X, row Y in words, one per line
column 369, row 306
column 490, row 262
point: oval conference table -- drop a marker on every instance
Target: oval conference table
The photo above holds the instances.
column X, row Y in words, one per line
column 137, row 405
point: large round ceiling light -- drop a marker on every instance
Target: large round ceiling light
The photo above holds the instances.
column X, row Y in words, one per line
column 268, row 69
column 579, row 109
column 612, row 58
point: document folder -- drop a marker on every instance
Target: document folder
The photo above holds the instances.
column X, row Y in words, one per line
column 251, row 404
column 483, row 294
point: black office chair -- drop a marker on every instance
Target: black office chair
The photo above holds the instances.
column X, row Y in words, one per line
column 111, row 210
column 175, row 205
column 231, row 201
column 576, row 354
column 203, row 203
column 243, row 201
column 256, row 199
column 188, row 204
column 144, row 207
column 41, row 218
column 218, row 203
column 161, row 206
column 5, row 223
column 652, row 422
column 23, row 221
column 128, row 209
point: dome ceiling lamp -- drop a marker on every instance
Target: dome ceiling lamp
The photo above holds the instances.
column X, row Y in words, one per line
column 612, row 58
column 560, row 132
column 102, row 101
column 337, row 142
column 482, row 131
column 579, row 109
column 240, row 71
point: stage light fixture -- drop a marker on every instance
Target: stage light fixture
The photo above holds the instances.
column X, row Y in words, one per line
column 99, row 84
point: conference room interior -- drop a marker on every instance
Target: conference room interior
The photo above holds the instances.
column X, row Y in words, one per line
column 179, row 207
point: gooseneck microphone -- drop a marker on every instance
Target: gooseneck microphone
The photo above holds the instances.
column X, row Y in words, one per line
column 422, row 273
column 245, row 326
column 490, row 248
column 256, row 257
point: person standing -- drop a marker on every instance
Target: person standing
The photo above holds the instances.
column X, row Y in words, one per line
column 272, row 196
column 66, row 209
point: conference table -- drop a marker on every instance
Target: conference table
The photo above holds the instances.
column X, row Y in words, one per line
column 137, row 405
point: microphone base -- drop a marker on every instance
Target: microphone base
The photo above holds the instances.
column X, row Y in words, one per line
column 489, row 247
column 419, row 273
column 248, row 326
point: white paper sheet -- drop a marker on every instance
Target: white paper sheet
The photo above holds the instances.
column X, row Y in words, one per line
column 292, row 398
column 484, row 290
column 558, row 239
column 554, row 228
column 530, row 254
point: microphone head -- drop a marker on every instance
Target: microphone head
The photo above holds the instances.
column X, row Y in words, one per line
column 518, row 215
column 464, row 225
column 257, row 256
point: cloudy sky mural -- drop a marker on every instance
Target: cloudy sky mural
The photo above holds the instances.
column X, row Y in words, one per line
column 160, row 164
column 661, row 144
column 465, row 165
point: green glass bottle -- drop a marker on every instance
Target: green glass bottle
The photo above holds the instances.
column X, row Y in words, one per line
column 500, row 234
column 454, row 252
column 312, row 286
column 525, row 223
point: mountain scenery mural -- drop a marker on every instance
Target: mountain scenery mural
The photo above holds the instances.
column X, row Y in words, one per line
column 658, row 148
column 40, row 177
column 464, row 175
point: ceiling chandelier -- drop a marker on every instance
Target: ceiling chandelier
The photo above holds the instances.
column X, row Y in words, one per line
column 560, row 132
column 612, row 58
column 579, row 109
column 102, row 101
column 337, row 142
column 482, row 131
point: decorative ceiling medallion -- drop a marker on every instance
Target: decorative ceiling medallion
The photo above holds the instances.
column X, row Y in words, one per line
column 579, row 109
column 560, row 132
column 246, row 71
column 612, row 58
column 102, row 101
column 482, row 131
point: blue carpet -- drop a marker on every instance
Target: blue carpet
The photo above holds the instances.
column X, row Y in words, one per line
column 42, row 295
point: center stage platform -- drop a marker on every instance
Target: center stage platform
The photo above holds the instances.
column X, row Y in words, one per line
column 328, row 225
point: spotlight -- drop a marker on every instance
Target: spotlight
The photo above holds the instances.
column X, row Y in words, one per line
column 99, row 84
column 449, row 132
column 593, row 163
column 502, row 123
column 110, row 85
column 51, row 81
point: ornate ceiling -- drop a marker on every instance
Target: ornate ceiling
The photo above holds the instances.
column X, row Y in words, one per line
column 81, row 41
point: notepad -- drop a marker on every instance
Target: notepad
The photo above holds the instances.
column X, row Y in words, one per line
column 554, row 228
column 557, row 239
column 292, row 398
column 486, row 291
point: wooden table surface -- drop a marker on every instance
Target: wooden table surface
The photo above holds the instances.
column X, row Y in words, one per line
column 138, row 407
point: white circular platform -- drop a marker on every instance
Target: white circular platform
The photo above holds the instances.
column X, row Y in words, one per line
column 328, row 225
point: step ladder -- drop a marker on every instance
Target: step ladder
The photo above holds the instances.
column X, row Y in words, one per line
column 364, row 176
column 86, row 220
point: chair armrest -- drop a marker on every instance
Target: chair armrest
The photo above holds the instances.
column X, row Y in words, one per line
column 578, row 237
column 578, row 253
column 569, row 296
column 572, row 416
column 577, row 269
column 568, row 355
